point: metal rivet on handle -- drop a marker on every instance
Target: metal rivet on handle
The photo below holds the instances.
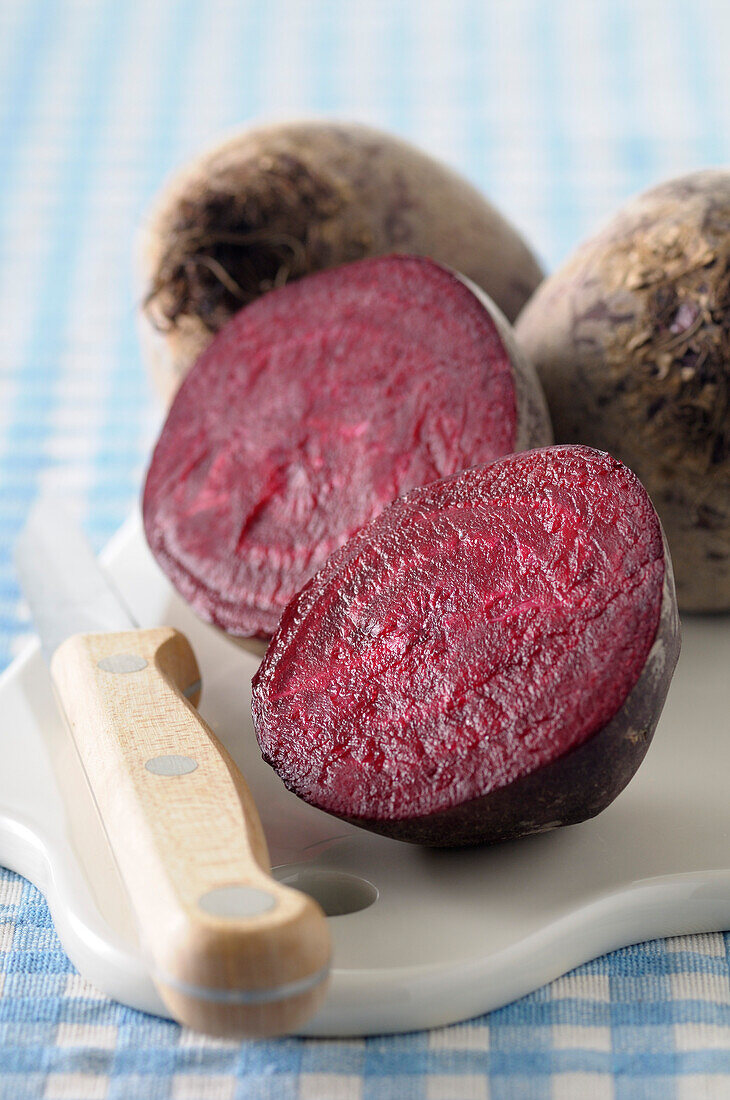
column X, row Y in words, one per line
column 235, row 902
column 122, row 662
column 171, row 765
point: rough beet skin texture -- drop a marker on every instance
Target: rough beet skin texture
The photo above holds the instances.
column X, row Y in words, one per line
column 314, row 407
column 486, row 659
column 631, row 340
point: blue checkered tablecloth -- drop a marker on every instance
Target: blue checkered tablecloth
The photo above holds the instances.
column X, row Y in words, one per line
column 559, row 110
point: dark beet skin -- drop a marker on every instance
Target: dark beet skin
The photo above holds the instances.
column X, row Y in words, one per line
column 313, row 408
column 631, row 339
column 486, row 659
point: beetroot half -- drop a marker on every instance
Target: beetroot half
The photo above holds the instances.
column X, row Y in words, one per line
column 486, row 659
column 313, row 408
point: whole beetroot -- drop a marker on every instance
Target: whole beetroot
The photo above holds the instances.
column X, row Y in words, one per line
column 274, row 203
column 631, row 340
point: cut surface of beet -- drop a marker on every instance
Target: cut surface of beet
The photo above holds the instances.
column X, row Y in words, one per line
column 313, row 408
column 476, row 635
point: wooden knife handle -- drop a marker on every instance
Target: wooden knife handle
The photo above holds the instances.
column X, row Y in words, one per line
column 231, row 951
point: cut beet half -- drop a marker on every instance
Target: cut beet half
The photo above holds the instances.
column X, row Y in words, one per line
column 313, row 408
column 486, row 659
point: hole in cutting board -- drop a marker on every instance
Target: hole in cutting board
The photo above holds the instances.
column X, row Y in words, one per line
column 338, row 893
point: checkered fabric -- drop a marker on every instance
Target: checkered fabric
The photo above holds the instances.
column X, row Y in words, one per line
column 559, row 109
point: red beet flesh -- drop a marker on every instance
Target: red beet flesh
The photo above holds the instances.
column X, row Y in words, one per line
column 487, row 658
column 313, row 408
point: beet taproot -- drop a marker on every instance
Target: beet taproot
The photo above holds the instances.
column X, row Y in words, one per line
column 314, row 407
column 486, row 659
column 631, row 340
column 273, row 203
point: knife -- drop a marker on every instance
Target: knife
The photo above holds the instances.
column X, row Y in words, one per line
column 231, row 951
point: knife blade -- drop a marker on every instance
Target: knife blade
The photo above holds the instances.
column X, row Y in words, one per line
column 231, row 951
column 62, row 582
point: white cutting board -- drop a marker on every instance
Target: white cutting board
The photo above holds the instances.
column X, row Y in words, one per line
column 450, row 934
